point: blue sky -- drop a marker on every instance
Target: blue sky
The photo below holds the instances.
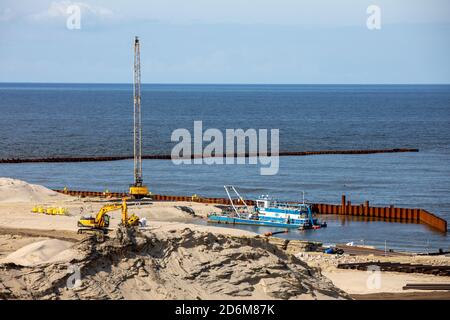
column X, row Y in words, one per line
column 227, row 41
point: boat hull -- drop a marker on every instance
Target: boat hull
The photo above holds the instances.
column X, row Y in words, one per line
column 236, row 220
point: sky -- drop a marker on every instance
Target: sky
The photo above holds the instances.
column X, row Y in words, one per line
column 226, row 41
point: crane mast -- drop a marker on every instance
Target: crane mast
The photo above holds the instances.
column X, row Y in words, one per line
column 137, row 114
column 138, row 189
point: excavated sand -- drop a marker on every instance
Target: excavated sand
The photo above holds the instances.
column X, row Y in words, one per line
column 181, row 264
column 46, row 251
column 13, row 190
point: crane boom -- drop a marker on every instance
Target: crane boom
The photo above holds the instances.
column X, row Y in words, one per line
column 138, row 189
column 137, row 114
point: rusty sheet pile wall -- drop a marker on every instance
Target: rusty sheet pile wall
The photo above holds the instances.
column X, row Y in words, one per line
column 413, row 215
column 433, row 220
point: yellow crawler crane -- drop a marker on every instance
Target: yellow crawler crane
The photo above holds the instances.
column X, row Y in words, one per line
column 101, row 221
column 138, row 189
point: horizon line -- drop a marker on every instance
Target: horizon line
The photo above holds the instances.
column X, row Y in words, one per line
column 236, row 83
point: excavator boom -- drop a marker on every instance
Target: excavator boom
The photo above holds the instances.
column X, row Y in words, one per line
column 99, row 219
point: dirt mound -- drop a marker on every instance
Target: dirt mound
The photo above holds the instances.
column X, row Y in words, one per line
column 182, row 264
column 41, row 252
column 13, row 190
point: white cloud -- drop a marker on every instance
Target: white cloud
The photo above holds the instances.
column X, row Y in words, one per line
column 311, row 13
column 283, row 12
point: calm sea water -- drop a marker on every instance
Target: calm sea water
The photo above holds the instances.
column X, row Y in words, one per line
column 39, row 120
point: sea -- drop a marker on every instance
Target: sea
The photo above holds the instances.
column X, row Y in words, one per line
column 75, row 120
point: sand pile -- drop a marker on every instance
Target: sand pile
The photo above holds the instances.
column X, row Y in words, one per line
column 41, row 252
column 13, row 190
column 182, row 264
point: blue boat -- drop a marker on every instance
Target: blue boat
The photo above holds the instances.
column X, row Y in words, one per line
column 267, row 212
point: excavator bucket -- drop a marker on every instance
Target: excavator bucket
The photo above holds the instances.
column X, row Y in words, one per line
column 133, row 220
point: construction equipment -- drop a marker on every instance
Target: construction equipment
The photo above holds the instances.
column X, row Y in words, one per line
column 245, row 209
column 137, row 190
column 49, row 210
column 101, row 221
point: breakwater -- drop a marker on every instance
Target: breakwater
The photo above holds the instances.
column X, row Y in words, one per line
column 169, row 157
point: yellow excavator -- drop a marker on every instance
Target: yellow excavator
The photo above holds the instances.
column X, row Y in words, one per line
column 101, row 221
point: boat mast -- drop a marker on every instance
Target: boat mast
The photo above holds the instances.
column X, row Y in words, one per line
column 233, row 189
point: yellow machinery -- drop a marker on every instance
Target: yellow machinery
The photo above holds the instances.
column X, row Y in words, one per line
column 137, row 190
column 50, row 210
column 101, row 220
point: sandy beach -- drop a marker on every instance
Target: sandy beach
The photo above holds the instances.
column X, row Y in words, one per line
column 193, row 261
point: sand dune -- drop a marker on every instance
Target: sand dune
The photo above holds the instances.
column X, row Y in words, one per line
column 46, row 251
column 13, row 190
